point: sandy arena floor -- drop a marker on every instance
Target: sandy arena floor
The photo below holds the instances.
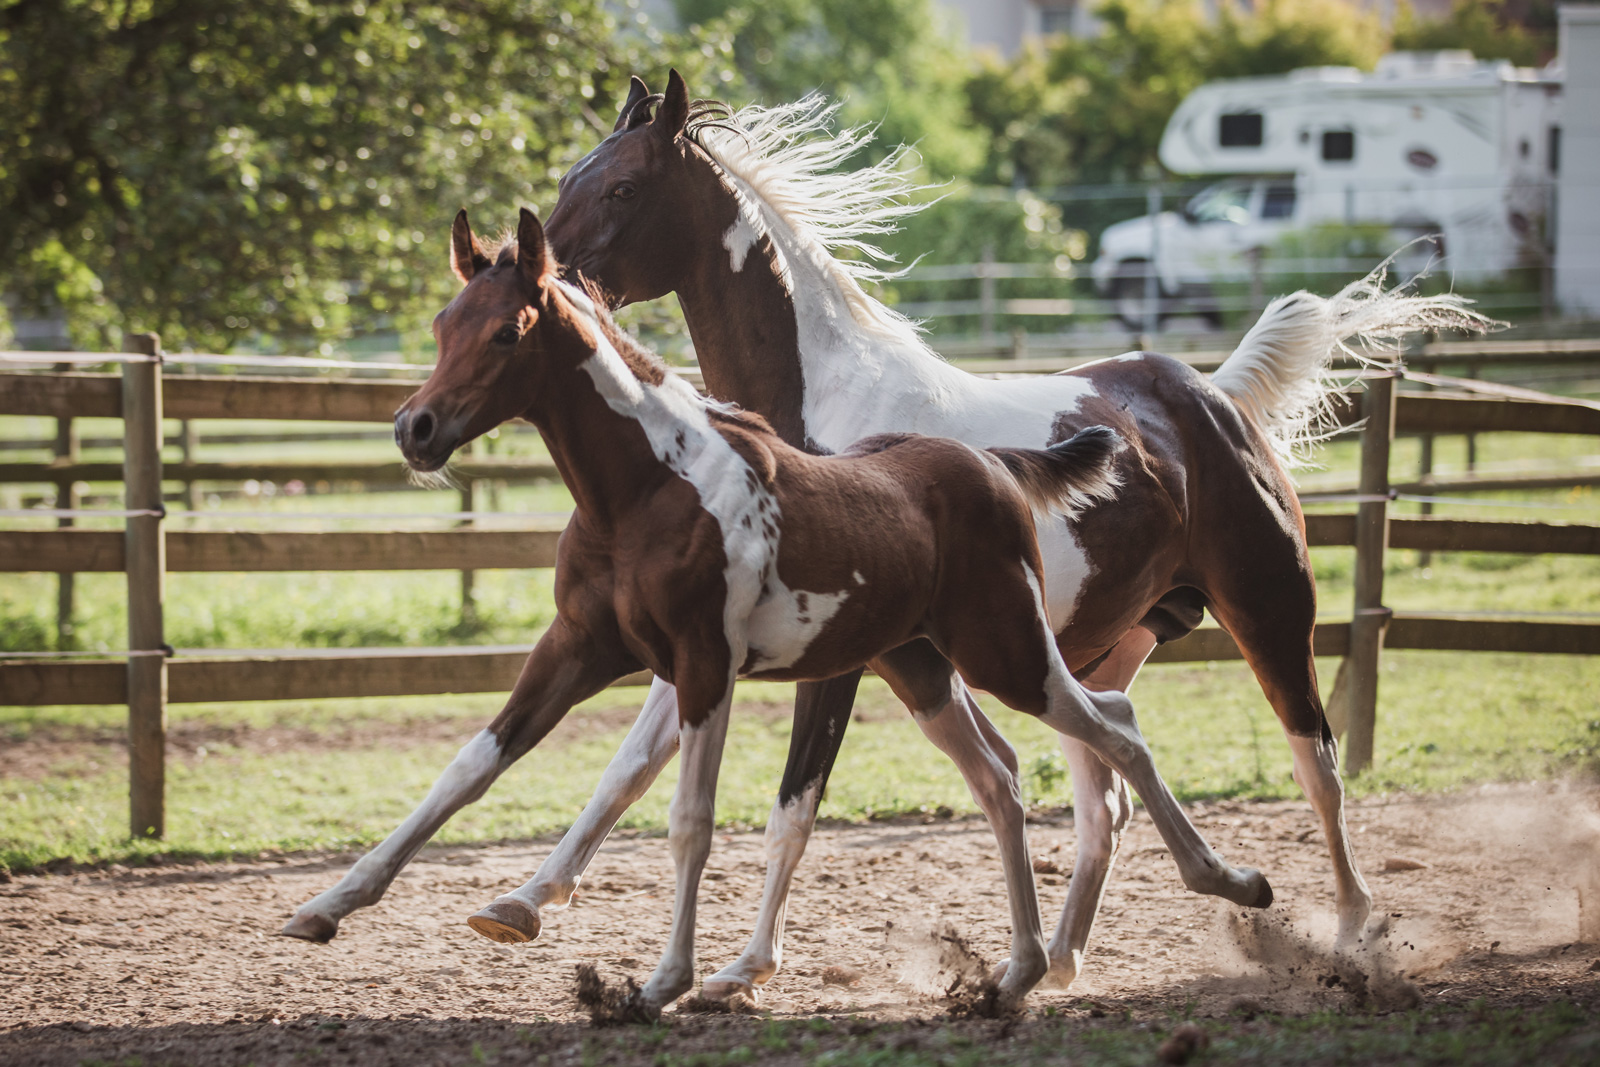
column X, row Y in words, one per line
column 103, row 963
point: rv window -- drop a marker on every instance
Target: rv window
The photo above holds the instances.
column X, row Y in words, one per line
column 1555, row 150
column 1338, row 145
column 1279, row 202
column 1242, row 130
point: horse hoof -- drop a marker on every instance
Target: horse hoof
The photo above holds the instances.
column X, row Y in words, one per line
column 723, row 990
column 308, row 926
column 507, row 920
column 1263, row 895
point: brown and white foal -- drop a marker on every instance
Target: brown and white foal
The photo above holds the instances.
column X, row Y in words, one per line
column 704, row 548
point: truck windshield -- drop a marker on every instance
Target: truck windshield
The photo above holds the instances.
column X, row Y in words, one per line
column 1227, row 202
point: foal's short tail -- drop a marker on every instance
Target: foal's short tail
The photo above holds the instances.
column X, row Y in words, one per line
column 1068, row 476
column 1280, row 373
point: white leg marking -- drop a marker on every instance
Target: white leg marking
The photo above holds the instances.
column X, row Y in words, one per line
column 650, row 744
column 475, row 767
column 1101, row 809
column 989, row 766
column 690, row 824
column 1316, row 769
column 788, row 830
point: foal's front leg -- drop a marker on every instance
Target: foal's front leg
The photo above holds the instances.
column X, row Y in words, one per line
column 821, row 713
column 517, row 916
column 690, row 824
column 562, row 670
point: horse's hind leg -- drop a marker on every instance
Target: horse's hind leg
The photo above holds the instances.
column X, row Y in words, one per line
column 1269, row 613
column 1101, row 809
column 949, row 716
column 821, row 713
column 1029, row 675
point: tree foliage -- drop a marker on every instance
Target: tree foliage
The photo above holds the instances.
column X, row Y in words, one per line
column 1483, row 27
column 1093, row 108
column 891, row 62
column 214, row 170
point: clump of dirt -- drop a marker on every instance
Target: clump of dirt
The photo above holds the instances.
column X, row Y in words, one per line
column 941, row 962
column 841, row 976
column 1183, row 1043
column 606, row 1003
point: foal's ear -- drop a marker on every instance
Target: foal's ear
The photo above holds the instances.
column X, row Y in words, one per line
column 673, row 114
column 637, row 91
column 467, row 256
column 532, row 259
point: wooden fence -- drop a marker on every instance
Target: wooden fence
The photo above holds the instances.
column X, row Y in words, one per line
column 150, row 675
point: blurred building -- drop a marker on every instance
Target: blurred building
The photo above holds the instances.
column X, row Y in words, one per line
column 1577, row 230
column 1005, row 25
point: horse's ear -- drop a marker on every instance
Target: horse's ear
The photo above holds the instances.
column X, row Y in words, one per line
column 532, row 259
column 673, row 114
column 637, row 91
column 467, row 256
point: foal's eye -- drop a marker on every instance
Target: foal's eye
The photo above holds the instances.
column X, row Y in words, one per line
column 507, row 336
column 625, row 191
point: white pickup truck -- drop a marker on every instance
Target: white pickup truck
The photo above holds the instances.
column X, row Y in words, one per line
column 1210, row 240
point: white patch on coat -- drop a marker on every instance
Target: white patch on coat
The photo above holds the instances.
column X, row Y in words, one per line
column 676, row 422
column 785, row 622
column 860, row 579
column 739, row 239
column 860, row 381
column 1067, row 567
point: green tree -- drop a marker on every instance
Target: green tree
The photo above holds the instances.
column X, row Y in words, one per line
column 1092, row 109
column 891, row 62
column 1483, row 27
column 231, row 168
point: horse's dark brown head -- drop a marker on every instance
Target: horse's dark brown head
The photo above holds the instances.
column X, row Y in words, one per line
column 628, row 209
column 495, row 343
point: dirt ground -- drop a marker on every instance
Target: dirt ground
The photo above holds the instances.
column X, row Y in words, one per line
column 1480, row 894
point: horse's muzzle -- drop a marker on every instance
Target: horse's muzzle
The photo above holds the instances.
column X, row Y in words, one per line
column 424, row 441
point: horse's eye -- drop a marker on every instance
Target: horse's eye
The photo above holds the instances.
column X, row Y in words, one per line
column 625, row 191
column 506, row 336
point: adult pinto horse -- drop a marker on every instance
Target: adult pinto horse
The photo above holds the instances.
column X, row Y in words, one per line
column 739, row 215
column 705, row 548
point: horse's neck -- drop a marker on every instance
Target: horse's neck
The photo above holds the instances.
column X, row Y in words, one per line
column 779, row 335
column 743, row 326
column 592, row 419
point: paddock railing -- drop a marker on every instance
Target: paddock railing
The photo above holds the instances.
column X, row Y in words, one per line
column 150, row 675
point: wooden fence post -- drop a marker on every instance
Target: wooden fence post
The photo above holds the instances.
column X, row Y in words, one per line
column 66, row 451
column 146, row 564
column 986, row 293
column 1371, row 619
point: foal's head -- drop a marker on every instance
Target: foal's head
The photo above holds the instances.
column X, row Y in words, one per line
column 629, row 209
column 499, row 340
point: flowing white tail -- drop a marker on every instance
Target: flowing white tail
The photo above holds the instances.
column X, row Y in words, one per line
column 1281, row 373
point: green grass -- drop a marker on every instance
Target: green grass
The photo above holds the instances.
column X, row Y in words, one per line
column 1445, row 719
column 1510, row 717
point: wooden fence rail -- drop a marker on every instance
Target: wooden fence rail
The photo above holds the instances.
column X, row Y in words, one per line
column 152, row 676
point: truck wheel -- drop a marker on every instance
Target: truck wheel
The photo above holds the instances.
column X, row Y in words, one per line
column 1128, row 295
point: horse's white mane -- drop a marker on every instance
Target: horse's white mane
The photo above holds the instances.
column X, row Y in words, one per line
column 788, row 155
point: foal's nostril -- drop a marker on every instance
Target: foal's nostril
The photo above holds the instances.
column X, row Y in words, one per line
column 421, row 428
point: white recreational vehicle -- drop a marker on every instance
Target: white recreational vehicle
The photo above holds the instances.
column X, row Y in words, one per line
column 1429, row 142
